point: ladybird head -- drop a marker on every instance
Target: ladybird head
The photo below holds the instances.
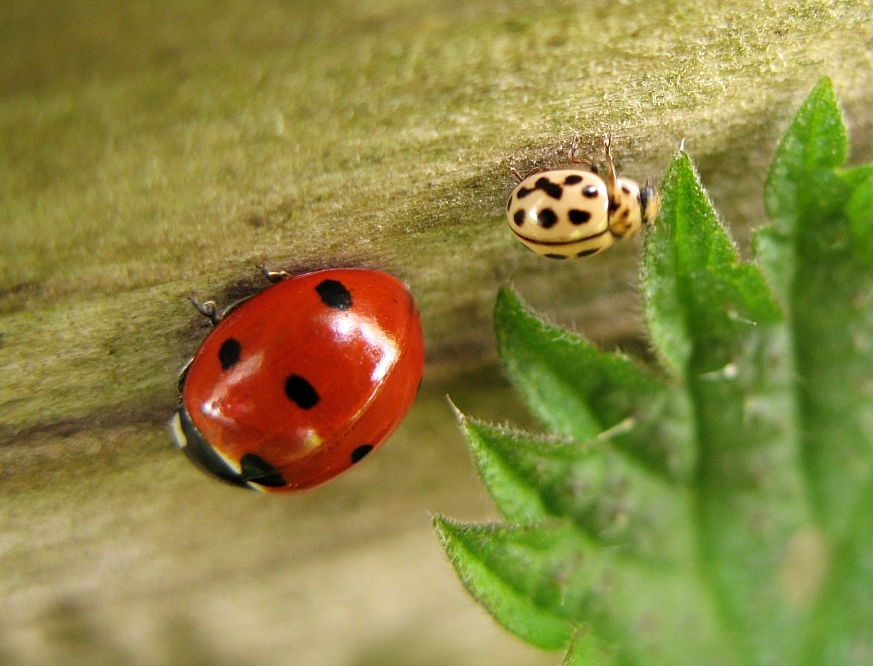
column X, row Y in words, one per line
column 254, row 473
column 650, row 203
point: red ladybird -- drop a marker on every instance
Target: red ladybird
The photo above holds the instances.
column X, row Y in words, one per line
column 300, row 382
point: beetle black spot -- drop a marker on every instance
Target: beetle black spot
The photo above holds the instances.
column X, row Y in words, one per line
column 228, row 353
column 572, row 180
column 590, row 191
column 257, row 470
column 361, row 452
column 585, row 253
column 552, row 189
column 334, row 294
column 519, row 216
column 579, row 216
column 546, row 218
column 522, row 192
column 614, row 205
column 556, row 256
column 625, row 189
column 301, row 392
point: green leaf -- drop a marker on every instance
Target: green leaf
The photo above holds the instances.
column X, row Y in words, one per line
column 586, row 650
column 842, row 630
column 517, row 574
column 542, row 581
column 815, row 141
column 800, row 179
column 697, row 295
column 737, row 368
column 854, row 176
column 859, row 210
column 615, row 503
column 817, row 256
column 823, row 223
column 579, row 391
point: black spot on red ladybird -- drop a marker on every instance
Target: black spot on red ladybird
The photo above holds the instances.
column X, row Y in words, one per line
column 301, row 392
column 579, row 216
column 334, row 294
column 228, row 353
column 361, row 452
column 257, row 470
column 547, row 218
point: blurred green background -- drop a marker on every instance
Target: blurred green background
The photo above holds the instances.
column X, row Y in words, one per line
column 151, row 150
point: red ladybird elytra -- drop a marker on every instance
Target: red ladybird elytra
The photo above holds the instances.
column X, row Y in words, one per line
column 300, row 382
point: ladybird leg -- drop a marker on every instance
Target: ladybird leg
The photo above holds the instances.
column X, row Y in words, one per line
column 541, row 169
column 275, row 276
column 208, row 309
column 530, row 173
column 611, row 177
column 611, row 182
column 183, row 374
column 581, row 160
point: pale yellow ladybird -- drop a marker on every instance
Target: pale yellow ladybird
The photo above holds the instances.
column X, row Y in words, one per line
column 561, row 214
column 569, row 213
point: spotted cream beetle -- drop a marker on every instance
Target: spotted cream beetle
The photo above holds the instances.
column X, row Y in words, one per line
column 569, row 213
